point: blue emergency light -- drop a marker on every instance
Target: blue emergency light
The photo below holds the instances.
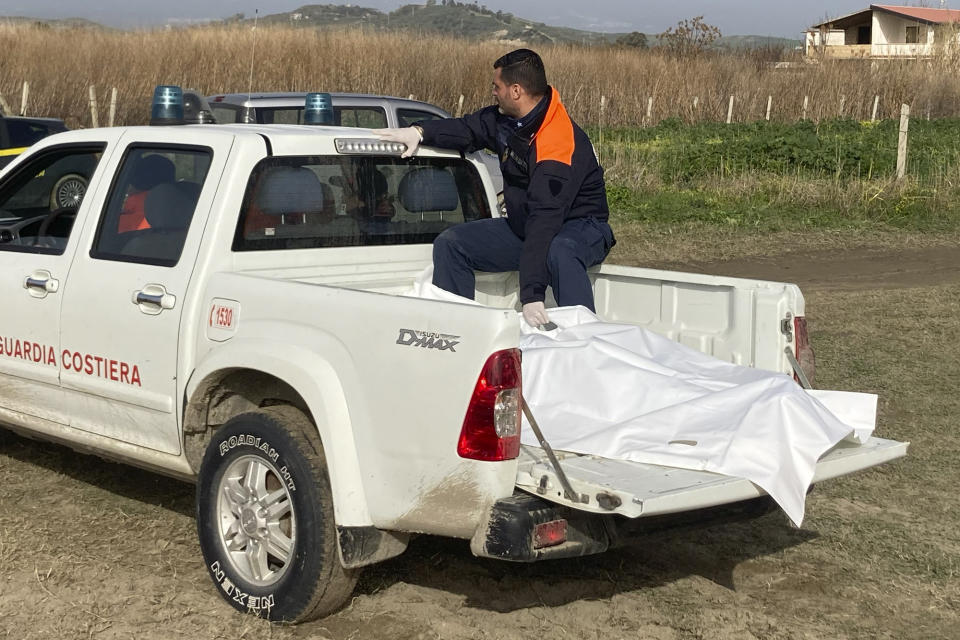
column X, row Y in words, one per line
column 167, row 105
column 318, row 109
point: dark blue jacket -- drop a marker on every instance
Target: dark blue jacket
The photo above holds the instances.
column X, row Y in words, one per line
column 550, row 175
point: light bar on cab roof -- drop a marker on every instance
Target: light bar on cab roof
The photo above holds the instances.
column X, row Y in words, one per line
column 367, row 146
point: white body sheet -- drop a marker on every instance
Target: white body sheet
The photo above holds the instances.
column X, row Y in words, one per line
column 622, row 392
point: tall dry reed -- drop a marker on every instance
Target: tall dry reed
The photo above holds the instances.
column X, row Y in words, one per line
column 60, row 65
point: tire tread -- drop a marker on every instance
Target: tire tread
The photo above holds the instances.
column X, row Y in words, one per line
column 336, row 583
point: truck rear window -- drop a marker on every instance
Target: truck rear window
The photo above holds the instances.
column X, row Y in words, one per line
column 356, row 201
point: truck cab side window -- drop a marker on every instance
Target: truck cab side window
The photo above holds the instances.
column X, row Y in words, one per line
column 39, row 201
column 151, row 204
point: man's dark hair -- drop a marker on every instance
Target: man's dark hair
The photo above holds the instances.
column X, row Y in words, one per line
column 525, row 68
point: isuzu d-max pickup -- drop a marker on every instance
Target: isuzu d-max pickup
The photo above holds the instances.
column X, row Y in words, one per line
column 224, row 305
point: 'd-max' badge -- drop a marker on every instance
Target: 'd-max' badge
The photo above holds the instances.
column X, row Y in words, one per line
column 428, row 340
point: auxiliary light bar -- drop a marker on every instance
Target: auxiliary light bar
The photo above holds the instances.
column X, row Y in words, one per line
column 361, row 146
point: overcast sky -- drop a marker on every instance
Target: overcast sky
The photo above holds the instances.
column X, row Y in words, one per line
column 786, row 18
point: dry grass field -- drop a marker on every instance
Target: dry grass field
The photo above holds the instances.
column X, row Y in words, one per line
column 98, row 550
column 61, row 64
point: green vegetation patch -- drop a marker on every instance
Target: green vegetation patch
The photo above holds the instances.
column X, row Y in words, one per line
column 772, row 205
column 843, row 149
column 779, row 176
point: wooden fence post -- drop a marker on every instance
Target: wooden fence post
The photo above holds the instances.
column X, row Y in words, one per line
column 94, row 120
column 806, row 103
column 603, row 104
column 24, row 97
column 113, row 106
column 460, row 106
column 876, row 103
column 902, row 141
column 769, row 104
column 646, row 119
column 696, row 108
column 843, row 103
column 730, row 111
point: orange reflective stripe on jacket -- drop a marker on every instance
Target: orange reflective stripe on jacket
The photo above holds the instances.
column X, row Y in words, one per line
column 554, row 139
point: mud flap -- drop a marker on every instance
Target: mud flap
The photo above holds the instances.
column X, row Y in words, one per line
column 362, row 546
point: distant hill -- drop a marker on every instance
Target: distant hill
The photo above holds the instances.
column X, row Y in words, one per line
column 61, row 23
column 455, row 19
column 473, row 21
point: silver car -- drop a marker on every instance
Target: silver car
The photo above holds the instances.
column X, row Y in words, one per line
column 350, row 109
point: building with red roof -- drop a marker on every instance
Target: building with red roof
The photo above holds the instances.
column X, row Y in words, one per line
column 885, row 31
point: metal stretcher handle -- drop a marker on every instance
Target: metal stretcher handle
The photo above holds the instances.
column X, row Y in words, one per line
column 564, row 481
column 797, row 369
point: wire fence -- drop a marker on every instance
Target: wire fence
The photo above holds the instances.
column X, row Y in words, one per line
column 612, row 87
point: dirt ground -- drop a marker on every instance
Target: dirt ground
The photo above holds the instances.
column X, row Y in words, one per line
column 853, row 269
column 94, row 549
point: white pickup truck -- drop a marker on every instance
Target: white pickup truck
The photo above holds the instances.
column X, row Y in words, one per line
column 223, row 306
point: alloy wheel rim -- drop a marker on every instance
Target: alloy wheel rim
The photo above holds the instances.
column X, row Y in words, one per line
column 70, row 193
column 257, row 525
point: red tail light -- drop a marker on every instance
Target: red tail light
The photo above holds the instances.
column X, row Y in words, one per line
column 804, row 351
column 549, row 534
column 491, row 428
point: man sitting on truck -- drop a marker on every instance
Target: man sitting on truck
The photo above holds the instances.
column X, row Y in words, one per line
column 556, row 204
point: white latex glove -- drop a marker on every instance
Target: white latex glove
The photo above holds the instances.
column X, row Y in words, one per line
column 535, row 314
column 409, row 136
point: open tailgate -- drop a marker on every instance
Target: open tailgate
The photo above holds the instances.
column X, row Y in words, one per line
column 635, row 489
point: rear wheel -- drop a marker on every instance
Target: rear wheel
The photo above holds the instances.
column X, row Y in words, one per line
column 265, row 518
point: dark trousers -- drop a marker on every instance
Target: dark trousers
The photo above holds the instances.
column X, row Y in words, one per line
column 490, row 245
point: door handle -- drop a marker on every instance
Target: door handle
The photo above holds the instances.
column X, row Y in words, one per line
column 153, row 299
column 40, row 283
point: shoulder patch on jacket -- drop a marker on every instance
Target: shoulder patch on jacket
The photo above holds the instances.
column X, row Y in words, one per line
column 556, row 187
column 554, row 140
